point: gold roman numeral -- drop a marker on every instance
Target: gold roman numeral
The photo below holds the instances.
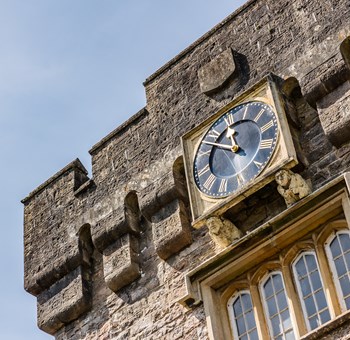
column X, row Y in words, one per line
column 259, row 115
column 240, row 179
column 258, row 164
column 267, row 126
column 223, row 185
column 204, row 153
column 266, row 144
column 209, row 182
column 229, row 119
column 203, row 170
column 213, row 134
column 245, row 112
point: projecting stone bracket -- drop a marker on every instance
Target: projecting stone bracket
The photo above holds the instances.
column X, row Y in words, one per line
column 165, row 205
column 171, row 229
column 64, row 301
column 217, row 72
column 116, row 238
column 121, row 262
column 222, row 231
column 334, row 113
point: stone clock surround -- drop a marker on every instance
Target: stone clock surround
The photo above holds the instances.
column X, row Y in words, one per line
column 114, row 248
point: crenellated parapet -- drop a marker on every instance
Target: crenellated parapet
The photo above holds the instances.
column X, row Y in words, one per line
column 57, row 273
column 115, row 248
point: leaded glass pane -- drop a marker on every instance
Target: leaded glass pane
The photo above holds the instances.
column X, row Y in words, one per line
column 335, row 247
column 344, row 241
column 340, row 263
column 243, row 317
column 325, row 316
column 254, row 335
column 305, row 286
column 237, row 307
column 240, row 325
column 311, row 291
column 340, row 266
column 277, row 310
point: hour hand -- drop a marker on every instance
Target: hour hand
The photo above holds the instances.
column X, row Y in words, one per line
column 222, row 146
column 229, row 134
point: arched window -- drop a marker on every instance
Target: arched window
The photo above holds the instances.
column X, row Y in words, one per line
column 338, row 251
column 276, row 307
column 310, row 290
column 241, row 313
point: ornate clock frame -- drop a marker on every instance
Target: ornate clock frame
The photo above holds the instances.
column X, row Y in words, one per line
column 283, row 157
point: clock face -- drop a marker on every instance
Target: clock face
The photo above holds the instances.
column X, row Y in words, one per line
column 236, row 148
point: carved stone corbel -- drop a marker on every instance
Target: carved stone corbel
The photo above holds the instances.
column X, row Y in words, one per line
column 222, row 231
column 292, row 187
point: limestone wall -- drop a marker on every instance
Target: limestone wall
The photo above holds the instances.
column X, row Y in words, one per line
column 106, row 256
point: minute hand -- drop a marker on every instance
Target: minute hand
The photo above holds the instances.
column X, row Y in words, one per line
column 223, row 146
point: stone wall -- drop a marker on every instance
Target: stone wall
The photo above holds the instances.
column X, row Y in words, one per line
column 106, row 256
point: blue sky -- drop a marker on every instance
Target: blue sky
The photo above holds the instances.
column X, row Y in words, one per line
column 71, row 72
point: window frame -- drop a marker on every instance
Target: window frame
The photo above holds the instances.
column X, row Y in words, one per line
column 300, row 293
column 265, row 306
column 231, row 314
column 333, row 268
column 210, row 281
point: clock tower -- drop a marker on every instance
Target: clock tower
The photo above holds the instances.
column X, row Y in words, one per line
column 221, row 209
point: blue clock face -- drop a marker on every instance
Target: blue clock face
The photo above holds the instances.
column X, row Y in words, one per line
column 235, row 149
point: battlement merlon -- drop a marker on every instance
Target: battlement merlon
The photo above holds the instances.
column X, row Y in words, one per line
column 45, row 223
column 80, row 177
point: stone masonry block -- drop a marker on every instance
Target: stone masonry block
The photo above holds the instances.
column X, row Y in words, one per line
column 171, row 229
column 120, row 262
column 49, row 218
column 120, row 221
column 334, row 113
column 64, row 302
column 214, row 75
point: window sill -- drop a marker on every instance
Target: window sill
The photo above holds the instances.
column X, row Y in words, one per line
column 328, row 327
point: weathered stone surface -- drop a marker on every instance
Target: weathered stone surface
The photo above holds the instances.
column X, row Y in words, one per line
column 334, row 113
column 121, row 263
column 47, row 220
column 213, row 75
column 292, row 187
column 293, row 39
column 64, row 301
column 171, row 229
column 222, row 231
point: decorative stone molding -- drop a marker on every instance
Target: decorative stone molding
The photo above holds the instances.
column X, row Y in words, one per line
column 334, row 113
column 222, row 231
column 217, row 72
column 292, row 187
column 121, row 262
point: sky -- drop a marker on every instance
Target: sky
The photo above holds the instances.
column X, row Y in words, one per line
column 71, row 71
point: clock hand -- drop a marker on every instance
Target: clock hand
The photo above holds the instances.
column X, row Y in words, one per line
column 223, row 146
column 229, row 134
